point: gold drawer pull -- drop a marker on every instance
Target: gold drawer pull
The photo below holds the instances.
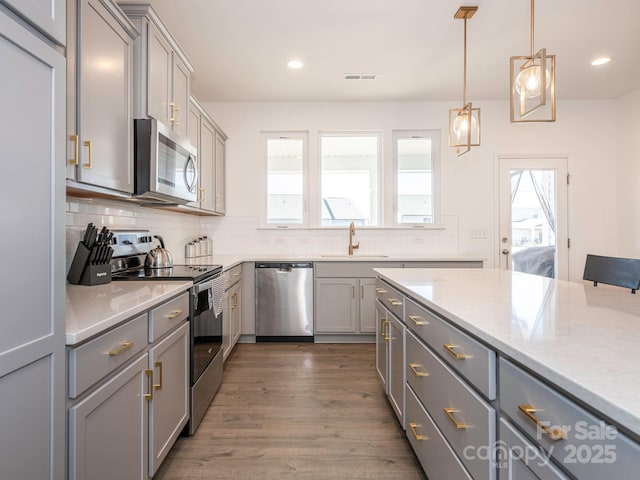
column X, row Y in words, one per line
column 149, row 375
column 158, row 386
column 380, row 290
column 414, row 367
column 449, row 412
column 395, row 302
column 458, row 356
column 173, row 314
column 117, row 351
column 554, row 433
column 418, row 436
column 414, row 319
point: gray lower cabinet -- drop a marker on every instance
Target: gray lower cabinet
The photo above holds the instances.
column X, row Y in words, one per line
column 462, row 423
column 32, row 425
column 382, row 340
column 108, row 428
column 169, row 407
column 232, row 315
column 129, row 395
column 396, row 370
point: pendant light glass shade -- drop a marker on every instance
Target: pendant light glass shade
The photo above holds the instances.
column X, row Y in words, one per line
column 464, row 123
column 532, row 81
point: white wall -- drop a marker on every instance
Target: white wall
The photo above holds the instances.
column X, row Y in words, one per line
column 585, row 132
column 628, row 113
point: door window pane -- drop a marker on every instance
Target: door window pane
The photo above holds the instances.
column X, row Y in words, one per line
column 415, row 179
column 349, row 165
column 285, row 180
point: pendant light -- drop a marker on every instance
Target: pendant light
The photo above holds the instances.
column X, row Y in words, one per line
column 533, row 79
column 464, row 123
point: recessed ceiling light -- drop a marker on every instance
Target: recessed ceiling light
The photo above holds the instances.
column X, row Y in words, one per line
column 600, row 61
column 295, row 64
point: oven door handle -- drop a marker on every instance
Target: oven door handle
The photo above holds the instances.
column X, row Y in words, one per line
column 200, row 287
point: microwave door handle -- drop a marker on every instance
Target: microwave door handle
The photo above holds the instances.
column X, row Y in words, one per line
column 191, row 186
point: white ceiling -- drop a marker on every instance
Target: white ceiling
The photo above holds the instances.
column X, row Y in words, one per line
column 240, row 47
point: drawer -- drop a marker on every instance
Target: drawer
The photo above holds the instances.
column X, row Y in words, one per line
column 520, row 459
column 232, row 276
column 97, row 358
column 464, row 418
column 467, row 356
column 351, row 269
column 437, row 458
column 391, row 298
column 167, row 316
column 584, row 444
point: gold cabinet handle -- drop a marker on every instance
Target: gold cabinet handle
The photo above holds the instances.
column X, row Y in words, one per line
column 418, row 373
column 380, row 290
column 172, row 115
column 383, row 333
column 158, row 386
column 395, row 302
column 201, row 199
column 149, row 375
column 554, row 433
column 416, row 321
column 458, row 356
column 418, row 436
column 173, row 314
column 234, row 299
column 123, row 348
column 177, row 120
column 74, row 160
column 217, row 200
column 88, row 144
column 449, row 413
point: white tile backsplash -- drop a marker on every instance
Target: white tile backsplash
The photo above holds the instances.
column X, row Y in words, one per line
column 242, row 235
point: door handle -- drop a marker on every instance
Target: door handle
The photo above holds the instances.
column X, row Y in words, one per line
column 506, row 252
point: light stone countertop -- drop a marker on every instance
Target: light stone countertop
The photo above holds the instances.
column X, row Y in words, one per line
column 91, row 310
column 229, row 261
column 583, row 339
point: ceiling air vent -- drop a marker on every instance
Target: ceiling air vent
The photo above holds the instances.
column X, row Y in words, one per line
column 360, row 76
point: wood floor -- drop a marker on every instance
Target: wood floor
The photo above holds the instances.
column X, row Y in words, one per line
column 296, row 411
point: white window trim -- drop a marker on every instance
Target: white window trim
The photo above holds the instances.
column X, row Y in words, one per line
column 293, row 134
column 316, row 203
column 434, row 135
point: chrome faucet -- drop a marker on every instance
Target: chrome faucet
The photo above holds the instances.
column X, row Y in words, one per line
column 352, row 232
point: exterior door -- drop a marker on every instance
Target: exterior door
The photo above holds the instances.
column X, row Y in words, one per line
column 533, row 234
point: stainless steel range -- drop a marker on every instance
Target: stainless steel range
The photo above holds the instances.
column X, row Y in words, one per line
column 131, row 251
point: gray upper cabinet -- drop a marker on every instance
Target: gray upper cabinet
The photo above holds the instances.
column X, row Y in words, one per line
column 220, row 166
column 100, row 108
column 210, row 141
column 48, row 16
column 162, row 71
column 32, row 373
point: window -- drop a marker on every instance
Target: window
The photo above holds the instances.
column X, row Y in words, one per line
column 286, row 173
column 349, row 165
column 417, row 177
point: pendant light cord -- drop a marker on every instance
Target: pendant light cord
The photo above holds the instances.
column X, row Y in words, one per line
column 464, row 83
column 532, row 24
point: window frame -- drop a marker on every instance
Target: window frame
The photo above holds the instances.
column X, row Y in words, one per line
column 285, row 134
column 379, row 202
column 434, row 136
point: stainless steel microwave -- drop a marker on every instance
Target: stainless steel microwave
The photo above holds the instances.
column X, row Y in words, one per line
column 166, row 170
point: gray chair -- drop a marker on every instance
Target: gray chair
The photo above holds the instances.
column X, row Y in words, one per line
column 621, row 272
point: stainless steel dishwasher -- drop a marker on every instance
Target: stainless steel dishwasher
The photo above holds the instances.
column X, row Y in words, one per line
column 284, row 301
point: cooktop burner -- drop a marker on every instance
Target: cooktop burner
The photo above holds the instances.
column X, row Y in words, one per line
column 197, row 273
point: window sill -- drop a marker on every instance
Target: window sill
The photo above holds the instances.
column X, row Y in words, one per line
column 358, row 227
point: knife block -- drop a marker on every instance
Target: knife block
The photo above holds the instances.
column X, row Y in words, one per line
column 82, row 272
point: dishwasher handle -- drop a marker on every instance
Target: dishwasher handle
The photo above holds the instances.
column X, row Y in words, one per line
column 284, row 267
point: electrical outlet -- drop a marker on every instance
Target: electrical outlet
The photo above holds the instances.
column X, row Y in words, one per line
column 478, row 233
column 279, row 241
column 418, row 239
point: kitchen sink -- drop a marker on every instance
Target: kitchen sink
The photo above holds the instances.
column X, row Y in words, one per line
column 354, row 256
